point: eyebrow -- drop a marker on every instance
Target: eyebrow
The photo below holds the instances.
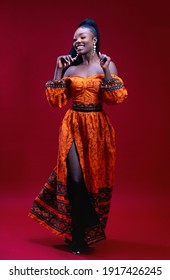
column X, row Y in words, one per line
column 81, row 34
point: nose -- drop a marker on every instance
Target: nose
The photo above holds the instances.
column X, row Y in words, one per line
column 78, row 40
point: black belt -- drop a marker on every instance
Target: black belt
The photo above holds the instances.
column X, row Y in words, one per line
column 80, row 107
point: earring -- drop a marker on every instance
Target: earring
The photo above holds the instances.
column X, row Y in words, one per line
column 94, row 49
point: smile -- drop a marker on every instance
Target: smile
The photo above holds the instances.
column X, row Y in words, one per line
column 79, row 47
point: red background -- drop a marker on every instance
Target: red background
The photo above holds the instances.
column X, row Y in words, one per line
column 136, row 35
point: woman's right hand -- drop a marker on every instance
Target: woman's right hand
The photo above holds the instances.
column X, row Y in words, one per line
column 64, row 61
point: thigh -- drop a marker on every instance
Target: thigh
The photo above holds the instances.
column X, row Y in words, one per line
column 73, row 165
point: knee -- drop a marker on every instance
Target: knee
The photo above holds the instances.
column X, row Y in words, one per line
column 76, row 180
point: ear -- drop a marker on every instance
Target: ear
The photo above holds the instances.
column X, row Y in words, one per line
column 95, row 40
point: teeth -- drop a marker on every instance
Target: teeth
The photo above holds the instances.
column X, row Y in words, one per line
column 80, row 46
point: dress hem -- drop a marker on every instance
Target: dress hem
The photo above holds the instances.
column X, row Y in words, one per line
column 64, row 235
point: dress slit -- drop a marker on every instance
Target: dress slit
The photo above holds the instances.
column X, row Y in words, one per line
column 89, row 216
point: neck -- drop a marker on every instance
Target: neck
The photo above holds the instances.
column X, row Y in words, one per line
column 90, row 58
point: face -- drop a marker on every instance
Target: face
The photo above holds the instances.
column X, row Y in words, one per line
column 83, row 40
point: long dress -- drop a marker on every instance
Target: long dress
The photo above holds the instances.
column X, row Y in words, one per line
column 87, row 124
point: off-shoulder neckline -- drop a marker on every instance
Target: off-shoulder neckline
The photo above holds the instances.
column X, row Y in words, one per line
column 84, row 77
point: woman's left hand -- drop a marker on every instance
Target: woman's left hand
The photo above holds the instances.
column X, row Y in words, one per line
column 104, row 60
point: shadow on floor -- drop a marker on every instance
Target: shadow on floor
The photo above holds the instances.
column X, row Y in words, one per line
column 113, row 249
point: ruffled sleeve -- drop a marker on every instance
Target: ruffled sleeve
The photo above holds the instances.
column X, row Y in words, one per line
column 113, row 91
column 58, row 92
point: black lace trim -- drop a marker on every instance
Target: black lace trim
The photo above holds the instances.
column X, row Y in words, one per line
column 56, row 84
column 110, row 85
column 80, row 107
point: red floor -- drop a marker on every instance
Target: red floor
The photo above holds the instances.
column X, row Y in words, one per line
column 138, row 228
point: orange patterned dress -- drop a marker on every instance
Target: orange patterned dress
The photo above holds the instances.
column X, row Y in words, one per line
column 89, row 127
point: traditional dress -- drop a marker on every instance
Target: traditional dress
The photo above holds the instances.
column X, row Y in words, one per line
column 89, row 127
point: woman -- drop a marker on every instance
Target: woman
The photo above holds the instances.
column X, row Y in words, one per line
column 74, row 203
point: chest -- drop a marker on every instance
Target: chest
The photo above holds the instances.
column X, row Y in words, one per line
column 87, row 70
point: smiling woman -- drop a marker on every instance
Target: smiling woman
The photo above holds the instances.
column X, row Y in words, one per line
column 74, row 202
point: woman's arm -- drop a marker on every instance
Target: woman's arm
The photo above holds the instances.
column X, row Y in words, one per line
column 108, row 66
column 62, row 62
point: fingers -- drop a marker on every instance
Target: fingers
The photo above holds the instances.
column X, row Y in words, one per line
column 104, row 60
column 64, row 61
column 74, row 58
column 104, row 57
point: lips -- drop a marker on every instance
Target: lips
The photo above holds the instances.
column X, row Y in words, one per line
column 79, row 47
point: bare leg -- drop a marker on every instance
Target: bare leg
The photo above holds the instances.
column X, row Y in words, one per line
column 74, row 169
column 83, row 213
column 76, row 193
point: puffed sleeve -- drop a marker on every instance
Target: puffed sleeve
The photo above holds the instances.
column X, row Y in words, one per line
column 113, row 91
column 58, row 92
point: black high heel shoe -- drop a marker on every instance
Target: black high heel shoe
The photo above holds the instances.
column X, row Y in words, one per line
column 74, row 246
column 76, row 251
column 77, row 248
